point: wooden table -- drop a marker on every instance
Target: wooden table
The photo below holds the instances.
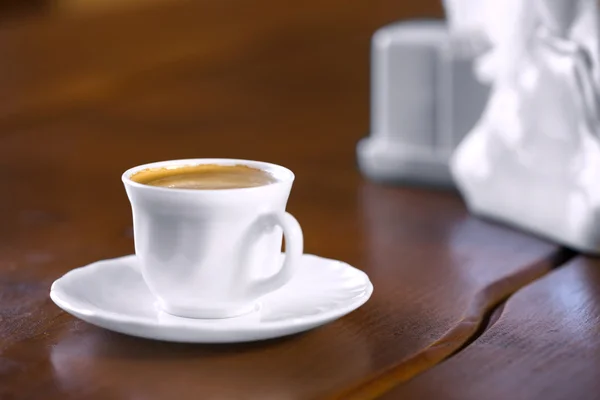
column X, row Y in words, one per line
column 92, row 88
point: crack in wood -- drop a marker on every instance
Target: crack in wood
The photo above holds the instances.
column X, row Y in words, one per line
column 484, row 311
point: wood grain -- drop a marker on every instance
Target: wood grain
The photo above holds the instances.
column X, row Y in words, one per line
column 69, row 58
column 425, row 256
column 484, row 308
column 258, row 80
column 545, row 345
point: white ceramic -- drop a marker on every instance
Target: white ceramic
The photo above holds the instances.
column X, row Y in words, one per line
column 533, row 159
column 424, row 99
column 112, row 294
column 213, row 253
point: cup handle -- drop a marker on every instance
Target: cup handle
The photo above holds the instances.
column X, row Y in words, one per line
column 294, row 243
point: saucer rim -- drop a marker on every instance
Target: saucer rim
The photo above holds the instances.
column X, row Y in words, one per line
column 93, row 314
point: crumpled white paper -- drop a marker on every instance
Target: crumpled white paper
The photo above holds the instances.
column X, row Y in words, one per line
column 533, row 158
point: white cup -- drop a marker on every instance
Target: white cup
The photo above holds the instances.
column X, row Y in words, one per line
column 214, row 253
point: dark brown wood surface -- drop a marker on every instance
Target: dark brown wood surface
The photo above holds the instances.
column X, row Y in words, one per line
column 545, row 345
column 89, row 93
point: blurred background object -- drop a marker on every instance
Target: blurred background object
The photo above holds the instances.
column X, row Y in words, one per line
column 533, row 158
column 425, row 95
column 424, row 98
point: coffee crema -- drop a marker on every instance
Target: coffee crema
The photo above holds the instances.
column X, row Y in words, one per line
column 204, row 176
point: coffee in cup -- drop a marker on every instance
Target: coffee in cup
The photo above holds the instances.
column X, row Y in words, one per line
column 204, row 176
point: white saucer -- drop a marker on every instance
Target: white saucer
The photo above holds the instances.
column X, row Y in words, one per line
column 112, row 294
